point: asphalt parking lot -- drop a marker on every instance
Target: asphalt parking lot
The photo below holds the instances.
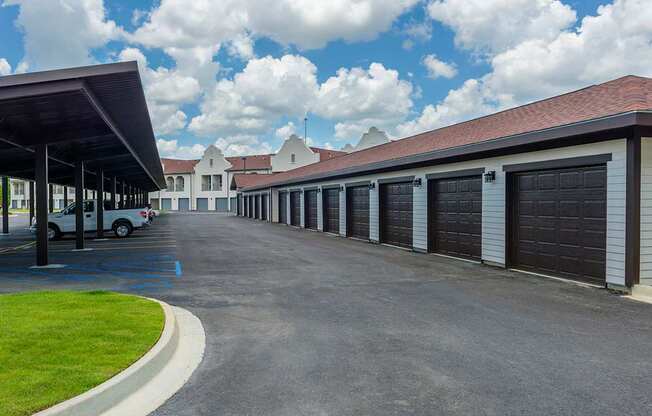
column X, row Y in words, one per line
column 145, row 261
column 303, row 323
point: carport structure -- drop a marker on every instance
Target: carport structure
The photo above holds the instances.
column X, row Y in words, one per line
column 86, row 127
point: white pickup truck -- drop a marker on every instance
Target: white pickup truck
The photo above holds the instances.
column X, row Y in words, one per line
column 121, row 221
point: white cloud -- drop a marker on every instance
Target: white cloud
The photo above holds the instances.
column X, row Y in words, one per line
column 460, row 104
column 286, row 131
column 615, row 42
column 171, row 149
column 61, row 33
column 361, row 98
column 407, row 44
column 265, row 90
column 499, row 24
column 166, row 91
column 243, row 145
column 612, row 43
column 5, row 67
column 241, row 46
column 438, row 68
column 184, row 24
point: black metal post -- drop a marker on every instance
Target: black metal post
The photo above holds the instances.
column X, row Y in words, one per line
column 65, row 196
column 79, row 205
column 51, row 197
column 123, row 193
column 41, row 176
column 112, row 191
column 85, row 193
column 31, row 202
column 5, row 205
column 100, row 203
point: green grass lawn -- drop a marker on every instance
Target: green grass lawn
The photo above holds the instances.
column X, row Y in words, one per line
column 56, row 345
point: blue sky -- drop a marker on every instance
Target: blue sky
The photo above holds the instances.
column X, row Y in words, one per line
column 243, row 74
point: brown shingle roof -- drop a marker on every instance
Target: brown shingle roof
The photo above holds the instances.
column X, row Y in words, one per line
column 622, row 95
column 171, row 166
column 254, row 162
column 325, row 154
column 243, row 180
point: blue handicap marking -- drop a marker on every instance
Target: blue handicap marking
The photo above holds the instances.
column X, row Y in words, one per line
column 178, row 268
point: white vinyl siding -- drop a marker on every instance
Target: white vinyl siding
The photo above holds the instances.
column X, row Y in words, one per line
column 374, row 217
column 342, row 212
column 320, row 209
column 420, row 215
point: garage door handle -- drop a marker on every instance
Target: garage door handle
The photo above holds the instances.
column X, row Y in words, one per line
column 88, row 215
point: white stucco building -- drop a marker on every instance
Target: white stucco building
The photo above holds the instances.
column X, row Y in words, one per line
column 203, row 184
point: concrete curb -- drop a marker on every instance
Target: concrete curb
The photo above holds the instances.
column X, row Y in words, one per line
column 150, row 381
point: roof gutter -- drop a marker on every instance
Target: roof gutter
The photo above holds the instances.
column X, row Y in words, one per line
column 583, row 128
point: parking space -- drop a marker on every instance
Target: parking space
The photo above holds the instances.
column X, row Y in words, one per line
column 144, row 261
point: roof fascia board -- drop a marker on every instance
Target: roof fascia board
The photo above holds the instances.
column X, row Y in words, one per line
column 616, row 121
column 68, row 73
column 16, row 92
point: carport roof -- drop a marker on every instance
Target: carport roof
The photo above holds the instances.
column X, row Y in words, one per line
column 97, row 114
column 613, row 105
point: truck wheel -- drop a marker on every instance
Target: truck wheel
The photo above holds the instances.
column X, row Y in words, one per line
column 53, row 232
column 122, row 229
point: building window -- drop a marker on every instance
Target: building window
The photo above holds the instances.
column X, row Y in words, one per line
column 170, row 184
column 205, row 182
column 19, row 188
column 180, row 184
column 293, row 158
column 211, row 162
column 217, row 182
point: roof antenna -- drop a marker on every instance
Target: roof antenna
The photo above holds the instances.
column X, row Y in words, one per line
column 305, row 129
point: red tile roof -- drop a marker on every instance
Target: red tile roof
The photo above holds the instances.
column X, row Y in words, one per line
column 254, row 162
column 243, row 180
column 622, row 95
column 171, row 166
column 325, row 154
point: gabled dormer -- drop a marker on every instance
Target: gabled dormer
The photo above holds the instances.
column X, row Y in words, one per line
column 293, row 154
column 210, row 171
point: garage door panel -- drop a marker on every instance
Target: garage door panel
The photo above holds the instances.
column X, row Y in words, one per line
column 295, row 208
column 559, row 222
column 282, row 208
column 311, row 209
column 548, row 181
column 455, row 216
column 358, row 211
column 396, row 213
column 331, row 207
column 595, row 179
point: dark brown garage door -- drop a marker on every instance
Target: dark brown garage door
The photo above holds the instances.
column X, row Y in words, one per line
column 263, row 207
column 455, row 216
column 311, row 209
column 295, row 208
column 559, row 222
column 283, row 207
column 396, row 214
column 331, row 204
column 357, row 215
column 251, row 206
column 257, row 209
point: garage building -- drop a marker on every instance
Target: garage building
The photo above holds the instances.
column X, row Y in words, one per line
column 559, row 187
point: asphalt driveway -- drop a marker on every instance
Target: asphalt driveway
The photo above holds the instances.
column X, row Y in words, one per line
column 303, row 323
